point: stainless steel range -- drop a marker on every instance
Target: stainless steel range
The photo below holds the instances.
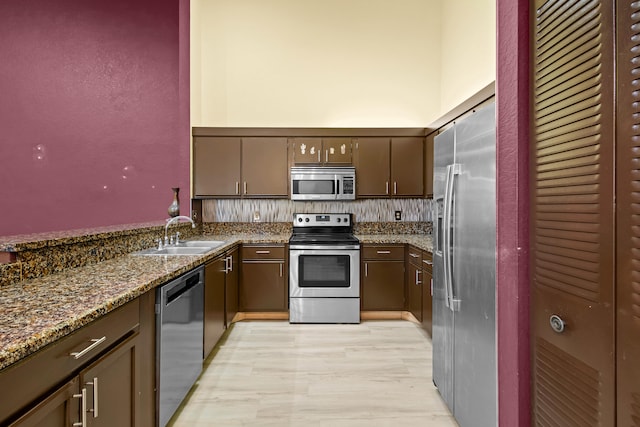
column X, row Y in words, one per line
column 324, row 274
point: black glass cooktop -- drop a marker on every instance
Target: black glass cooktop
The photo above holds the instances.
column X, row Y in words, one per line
column 324, row 239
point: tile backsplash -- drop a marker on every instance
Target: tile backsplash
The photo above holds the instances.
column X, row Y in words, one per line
column 269, row 210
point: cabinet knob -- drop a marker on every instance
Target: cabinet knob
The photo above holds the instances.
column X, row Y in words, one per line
column 557, row 324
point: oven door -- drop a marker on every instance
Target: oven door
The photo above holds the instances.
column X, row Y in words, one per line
column 325, row 272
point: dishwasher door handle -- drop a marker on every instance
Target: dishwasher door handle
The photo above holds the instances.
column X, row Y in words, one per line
column 180, row 288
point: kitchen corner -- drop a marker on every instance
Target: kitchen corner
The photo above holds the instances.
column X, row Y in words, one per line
column 39, row 310
column 73, row 281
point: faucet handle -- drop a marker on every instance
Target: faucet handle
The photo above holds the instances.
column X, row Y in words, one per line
column 177, row 241
column 159, row 241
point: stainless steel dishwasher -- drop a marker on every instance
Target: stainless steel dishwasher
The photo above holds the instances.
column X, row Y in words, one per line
column 179, row 340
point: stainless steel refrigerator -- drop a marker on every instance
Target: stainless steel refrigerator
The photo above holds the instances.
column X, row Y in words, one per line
column 464, row 265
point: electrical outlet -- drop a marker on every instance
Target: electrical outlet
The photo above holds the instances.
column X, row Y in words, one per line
column 256, row 216
column 398, row 215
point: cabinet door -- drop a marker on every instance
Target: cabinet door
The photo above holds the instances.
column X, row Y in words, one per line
column 264, row 167
column 307, row 150
column 572, row 208
column 428, row 164
column 427, row 291
column 231, row 287
column 263, row 286
column 382, row 285
column 336, row 150
column 214, row 300
column 414, row 290
column 371, row 157
column 407, row 167
column 112, row 386
column 216, row 166
column 59, row 409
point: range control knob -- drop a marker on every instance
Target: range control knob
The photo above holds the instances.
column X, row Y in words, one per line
column 346, row 220
column 306, row 220
column 339, row 220
column 299, row 219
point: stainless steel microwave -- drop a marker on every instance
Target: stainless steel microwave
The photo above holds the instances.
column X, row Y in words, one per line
column 323, row 183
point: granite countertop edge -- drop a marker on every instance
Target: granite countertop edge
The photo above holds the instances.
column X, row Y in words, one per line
column 38, row 312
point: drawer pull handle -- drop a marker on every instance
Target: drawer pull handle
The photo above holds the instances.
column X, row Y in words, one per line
column 94, row 343
column 384, row 252
column 412, row 255
column 83, row 404
column 263, row 252
column 426, row 261
column 94, row 383
column 418, row 282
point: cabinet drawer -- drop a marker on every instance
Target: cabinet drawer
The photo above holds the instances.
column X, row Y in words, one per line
column 414, row 256
column 383, row 252
column 263, row 252
column 427, row 261
column 40, row 372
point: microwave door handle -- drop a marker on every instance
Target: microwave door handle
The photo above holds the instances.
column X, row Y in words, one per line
column 337, row 186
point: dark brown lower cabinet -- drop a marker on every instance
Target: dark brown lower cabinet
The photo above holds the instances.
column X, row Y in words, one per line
column 112, row 387
column 106, row 367
column 263, row 279
column 382, row 278
column 414, row 282
column 382, row 285
column 231, row 286
column 59, row 409
column 414, row 291
column 427, row 291
column 220, row 297
column 215, row 272
column 104, row 394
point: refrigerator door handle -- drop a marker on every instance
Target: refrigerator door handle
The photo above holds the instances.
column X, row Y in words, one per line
column 451, row 302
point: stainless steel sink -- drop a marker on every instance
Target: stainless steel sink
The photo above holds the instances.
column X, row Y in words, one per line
column 174, row 250
column 189, row 247
column 201, row 243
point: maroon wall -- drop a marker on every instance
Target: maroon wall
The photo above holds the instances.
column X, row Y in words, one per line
column 94, row 112
column 512, row 115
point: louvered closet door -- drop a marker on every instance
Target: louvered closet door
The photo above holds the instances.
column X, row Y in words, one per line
column 572, row 214
column 628, row 213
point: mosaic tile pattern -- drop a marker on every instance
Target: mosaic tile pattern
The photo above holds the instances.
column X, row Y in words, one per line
column 366, row 210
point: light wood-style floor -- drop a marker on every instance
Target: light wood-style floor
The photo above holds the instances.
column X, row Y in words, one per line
column 271, row 373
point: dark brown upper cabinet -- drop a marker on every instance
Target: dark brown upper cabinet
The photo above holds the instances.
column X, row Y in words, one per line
column 428, row 164
column 216, row 166
column 407, row 167
column 321, row 151
column 264, row 167
column 389, row 167
column 372, row 159
column 235, row 167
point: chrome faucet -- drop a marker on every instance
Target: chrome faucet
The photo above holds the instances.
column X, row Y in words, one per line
column 171, row 221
